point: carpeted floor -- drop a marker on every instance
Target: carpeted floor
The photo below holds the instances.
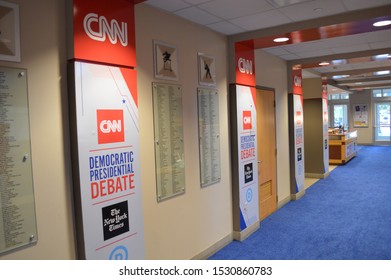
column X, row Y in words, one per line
column 346, row 216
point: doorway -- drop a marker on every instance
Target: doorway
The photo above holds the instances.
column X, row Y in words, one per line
column 266, row 142
column 382, row 123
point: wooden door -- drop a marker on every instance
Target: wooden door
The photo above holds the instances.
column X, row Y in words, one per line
column 266, row 141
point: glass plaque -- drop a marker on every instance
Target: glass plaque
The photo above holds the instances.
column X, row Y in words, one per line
column 209, row 136
column 169, row 149
column 17, row 207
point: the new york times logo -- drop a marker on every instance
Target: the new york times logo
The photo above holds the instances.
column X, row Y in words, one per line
column 248, row 172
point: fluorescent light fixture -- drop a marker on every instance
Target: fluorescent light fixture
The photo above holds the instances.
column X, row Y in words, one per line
column 281, row 39
column 382, row 23
column 338, row 61
column 385, row 72
column 382, row 56
column 340, row 76
column 324, row 63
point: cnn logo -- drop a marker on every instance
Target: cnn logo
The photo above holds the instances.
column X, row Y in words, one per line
column 104, row 29
column 110, row 126
column 247, row 120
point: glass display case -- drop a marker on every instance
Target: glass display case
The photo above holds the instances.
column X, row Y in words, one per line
column 342, row 146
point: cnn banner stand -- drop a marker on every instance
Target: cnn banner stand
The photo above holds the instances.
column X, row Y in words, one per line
column 296, row 136
column 244, row 145
column 104, row 125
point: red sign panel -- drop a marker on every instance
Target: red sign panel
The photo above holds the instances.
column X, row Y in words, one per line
column 245, row 65
column 103, row 31
column 110, row 126
column 247, row 121
column 297, row 81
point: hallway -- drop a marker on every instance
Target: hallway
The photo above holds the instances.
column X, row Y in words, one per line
column 346, row 216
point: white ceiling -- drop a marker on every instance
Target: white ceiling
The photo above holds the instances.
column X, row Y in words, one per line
column 237, row 17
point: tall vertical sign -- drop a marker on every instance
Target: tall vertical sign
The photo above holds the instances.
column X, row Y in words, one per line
column 325, row 116
column 105, row 131
column 244, row 147
column 244, row 157
column 297, row 134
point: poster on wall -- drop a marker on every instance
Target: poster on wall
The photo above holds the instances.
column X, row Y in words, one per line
column 169, row 144
column 360, row 115
column 17, row 206
column 108, row 161
column 209, row 136
column 299, row 142
column 247, row 155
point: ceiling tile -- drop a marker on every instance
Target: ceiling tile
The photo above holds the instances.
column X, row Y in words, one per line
column 196, row 15
column 381, row 45
column 225, row 27
column 315, row 53
column 229, row 9
column 261, row 20
column 194, row 2
column 351, row 48
column 168, row 5
column 364, row 4
column 282, row 3
column 289, row 56
column 307, row 10
column 304, row 47
column 276, row 51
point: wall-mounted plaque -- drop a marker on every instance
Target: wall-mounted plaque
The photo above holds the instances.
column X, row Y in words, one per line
column 17, row 207
column 209, row 136
column 9, row 32
column 169, row 148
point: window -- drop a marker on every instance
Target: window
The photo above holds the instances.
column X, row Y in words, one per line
column 339, row 96
column 339, row 110
column 380, row 93
column 340, row 115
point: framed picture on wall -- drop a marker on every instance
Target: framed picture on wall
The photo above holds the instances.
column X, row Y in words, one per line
column 360, row 116
column 206, row 70
column 9, row 32
column 165, row 61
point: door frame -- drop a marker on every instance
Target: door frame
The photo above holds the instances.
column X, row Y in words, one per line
column 375, row 124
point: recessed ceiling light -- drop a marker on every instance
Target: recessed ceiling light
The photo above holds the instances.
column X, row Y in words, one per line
column 324, row 63
column 281, row 39
column 382, row 56
column 317, row 10
column 338, row 61
column 340, row 76
column 382, row 23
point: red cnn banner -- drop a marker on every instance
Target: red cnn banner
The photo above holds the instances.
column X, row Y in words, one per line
column 297, row 81
column 245, row 65
column 103, row 31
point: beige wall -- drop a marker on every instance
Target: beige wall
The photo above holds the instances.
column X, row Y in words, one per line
column 44, row 56
column 312, row 88
column 186, row 225
column 272, row 72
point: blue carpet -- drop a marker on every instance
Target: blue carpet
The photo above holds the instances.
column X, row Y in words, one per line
column 346, row 216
